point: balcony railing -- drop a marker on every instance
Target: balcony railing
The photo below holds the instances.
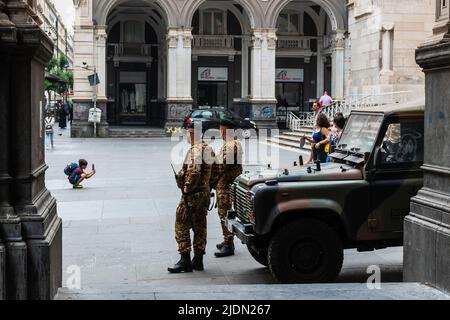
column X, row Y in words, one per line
column 294, row 42
column 213, row 42
column 130, row 50
column 326, row 42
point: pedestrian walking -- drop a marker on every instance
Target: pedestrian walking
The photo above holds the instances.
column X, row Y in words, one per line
column 71, row 114
column 62, row 116
column 229, row 164
column 317, row 109
column 321, row 138
column 49, row 132
column 326, row 101
column 194, row 182
column 336, row 130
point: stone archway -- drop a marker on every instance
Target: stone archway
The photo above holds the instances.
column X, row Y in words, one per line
column 331, row 45
column 251, row 10
column 335, row 10
column 168, row 9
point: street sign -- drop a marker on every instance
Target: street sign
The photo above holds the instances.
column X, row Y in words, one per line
column 94, row 80
column 95, row 115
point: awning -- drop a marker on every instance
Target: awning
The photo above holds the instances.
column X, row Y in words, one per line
column 53, row 78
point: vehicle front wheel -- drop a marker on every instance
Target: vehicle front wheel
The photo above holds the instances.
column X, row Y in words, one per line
column 306, row 251
column 260, row 256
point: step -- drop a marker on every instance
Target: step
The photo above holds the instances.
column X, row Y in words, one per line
column 127, row 132
column 334, row 291
column 286, row 143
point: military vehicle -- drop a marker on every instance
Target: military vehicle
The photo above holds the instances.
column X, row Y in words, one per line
column 298, row 221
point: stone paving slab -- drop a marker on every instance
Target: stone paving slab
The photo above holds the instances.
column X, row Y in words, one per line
column 388, row 291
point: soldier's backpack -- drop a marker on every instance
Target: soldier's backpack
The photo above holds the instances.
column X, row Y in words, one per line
column 70, row 168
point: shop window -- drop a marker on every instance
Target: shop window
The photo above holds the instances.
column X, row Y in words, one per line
column 288, row 23
column 213, row 22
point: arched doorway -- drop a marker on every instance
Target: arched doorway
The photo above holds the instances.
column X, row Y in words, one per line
column 135, row 64
column 310, row 52
column 221, row 33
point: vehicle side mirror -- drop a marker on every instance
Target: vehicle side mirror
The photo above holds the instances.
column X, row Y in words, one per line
column 377, row 159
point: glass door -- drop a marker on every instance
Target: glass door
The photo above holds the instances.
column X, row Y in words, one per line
column 289, row 99
column 133, row 98
column 213, row 94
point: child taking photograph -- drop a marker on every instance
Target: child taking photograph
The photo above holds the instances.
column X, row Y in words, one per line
column 76, row 174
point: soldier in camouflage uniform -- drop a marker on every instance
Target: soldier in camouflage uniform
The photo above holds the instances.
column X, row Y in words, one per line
column 194, row 181
column 228, row 167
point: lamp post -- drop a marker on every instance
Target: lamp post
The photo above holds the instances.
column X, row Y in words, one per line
column 94, row 96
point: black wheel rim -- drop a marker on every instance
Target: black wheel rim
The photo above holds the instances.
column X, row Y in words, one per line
column 306, row 255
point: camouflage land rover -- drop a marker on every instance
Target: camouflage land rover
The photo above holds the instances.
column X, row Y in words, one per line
column 298, row 221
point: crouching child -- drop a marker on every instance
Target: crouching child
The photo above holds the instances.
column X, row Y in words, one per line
column 76, row 174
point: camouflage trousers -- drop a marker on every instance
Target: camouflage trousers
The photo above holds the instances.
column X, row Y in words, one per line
column 194, row 219
column 224, row 205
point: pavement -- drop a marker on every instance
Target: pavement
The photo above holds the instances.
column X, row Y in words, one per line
column 118, row 232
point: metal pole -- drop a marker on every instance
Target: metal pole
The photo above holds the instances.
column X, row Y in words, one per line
column 95, row 102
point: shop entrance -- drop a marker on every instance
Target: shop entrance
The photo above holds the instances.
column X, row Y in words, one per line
column 289, row 94
column 214, row 94
column 133, row 98
column 212, row 87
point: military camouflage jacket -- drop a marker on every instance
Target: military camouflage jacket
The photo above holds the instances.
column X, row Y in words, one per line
column 228, row 164
column 196, row 172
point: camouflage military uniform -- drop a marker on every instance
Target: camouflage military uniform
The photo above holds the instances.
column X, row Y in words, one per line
column 228, row 168
column 194, row 180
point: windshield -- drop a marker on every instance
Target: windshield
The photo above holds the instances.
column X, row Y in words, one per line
column 360, row 133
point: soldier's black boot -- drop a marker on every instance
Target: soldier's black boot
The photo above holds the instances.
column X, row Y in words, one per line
column 220, row 245
column 226, row 251
column 197, row 262
column 184, row 265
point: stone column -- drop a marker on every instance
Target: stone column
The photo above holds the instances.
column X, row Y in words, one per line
column 387, row 72
column 427, row 228
column 245, row 61
column 338, row 59
column 89, row 54
column 179, row 75
column 31, row 231
column 100, row 64
column 262, row 102
column 8, row 39
column 320, row 84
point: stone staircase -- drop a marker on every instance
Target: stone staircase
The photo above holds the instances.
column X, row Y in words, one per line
column 291, row 139
column 136, row 132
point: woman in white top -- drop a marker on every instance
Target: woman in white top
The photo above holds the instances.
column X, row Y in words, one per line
column 49, row 123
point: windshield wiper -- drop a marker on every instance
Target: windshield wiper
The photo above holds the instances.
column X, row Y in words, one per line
column 341, row 148
column 356, row 151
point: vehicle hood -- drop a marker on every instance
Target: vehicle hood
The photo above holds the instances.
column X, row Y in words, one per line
column 329, row 172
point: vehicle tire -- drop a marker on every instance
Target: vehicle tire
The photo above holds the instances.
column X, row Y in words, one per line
column 260, row 257
column 306, row 251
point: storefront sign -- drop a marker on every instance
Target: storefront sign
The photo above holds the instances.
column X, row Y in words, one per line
column 212, row 74
column 289, row 75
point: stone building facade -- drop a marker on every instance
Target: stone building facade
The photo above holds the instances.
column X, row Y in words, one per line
column 55, row 28
column 157, row 59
